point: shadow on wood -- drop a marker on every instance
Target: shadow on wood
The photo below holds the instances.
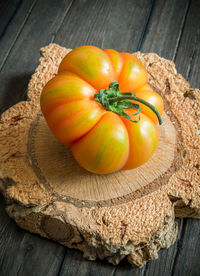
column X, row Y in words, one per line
column 15, row 91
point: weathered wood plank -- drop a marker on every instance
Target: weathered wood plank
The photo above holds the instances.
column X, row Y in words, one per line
column 7, row 12
column 16, row 21
column 38, row 31
column 74, row 264
column 165, row 27
column 22, row 253
column 10, row 237
column 188, row 55
column 37, row 256
column 187, row 260
column 164, row 264
column 107, row 24
column 124, row 269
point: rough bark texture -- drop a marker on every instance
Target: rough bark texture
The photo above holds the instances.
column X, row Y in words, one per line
column 137, row 228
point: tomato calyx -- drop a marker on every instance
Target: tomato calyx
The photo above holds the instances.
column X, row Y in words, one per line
column 114, row 100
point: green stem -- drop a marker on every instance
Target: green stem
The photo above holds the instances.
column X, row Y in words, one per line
column 112, row 99
column 132, row 97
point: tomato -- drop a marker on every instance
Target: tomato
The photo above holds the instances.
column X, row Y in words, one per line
column 143, row 137
column 146, row 93
column 101, row 106
column 105, row 148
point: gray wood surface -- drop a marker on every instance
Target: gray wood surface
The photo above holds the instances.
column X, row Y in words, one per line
column 170, row 28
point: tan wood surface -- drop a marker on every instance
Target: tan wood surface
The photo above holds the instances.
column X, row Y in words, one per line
column 54, row 165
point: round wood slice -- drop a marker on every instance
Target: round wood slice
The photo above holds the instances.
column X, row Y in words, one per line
column 56, row 168
column 127, row 213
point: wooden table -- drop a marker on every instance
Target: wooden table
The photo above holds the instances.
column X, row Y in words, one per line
column 170, row 28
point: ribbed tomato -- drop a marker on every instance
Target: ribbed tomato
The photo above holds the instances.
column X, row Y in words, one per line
column 85, row 109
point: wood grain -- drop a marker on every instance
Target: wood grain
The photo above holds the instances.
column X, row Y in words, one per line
column 7, row 12
column 188, row 54
column 74, row 264
column 63, row 174
column 164, row 265
column 22, row 253
column 37, row 30
column 106, row 24
column 165, row 28
column 15, row 21
column 186, row 260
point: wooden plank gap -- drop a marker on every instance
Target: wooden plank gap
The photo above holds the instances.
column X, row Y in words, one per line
column 62, row 262
column 62, row 20
column 144, row 32
column 11, row 18
column 146, row 269
column 188, row 259
column 188, row 57
column 181, row 32
column 114, row 271
column 91, row 27
column 191, row 63
column 20, row 30
column 126, row 269
column 21, row 264
column 179, row 246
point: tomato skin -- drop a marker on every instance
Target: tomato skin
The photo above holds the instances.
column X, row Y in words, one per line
column 143, row 140
column 63, row 89
column 76, row 118
column 105, row 148
column 117, row 61
column 68, row 105
column 101, row 141
column 133, row 74
column 99, row 70
column 146, row 93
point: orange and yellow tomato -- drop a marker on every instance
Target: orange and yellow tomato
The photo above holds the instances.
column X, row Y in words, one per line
column 101, row 141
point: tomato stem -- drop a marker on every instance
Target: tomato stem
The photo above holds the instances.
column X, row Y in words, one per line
column 134, row 98
column 113, row 100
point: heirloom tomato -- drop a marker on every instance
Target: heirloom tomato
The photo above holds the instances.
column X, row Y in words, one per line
column 101, row 106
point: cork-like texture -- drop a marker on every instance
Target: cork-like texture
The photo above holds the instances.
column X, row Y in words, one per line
column 137, row 228
column 183, row 188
